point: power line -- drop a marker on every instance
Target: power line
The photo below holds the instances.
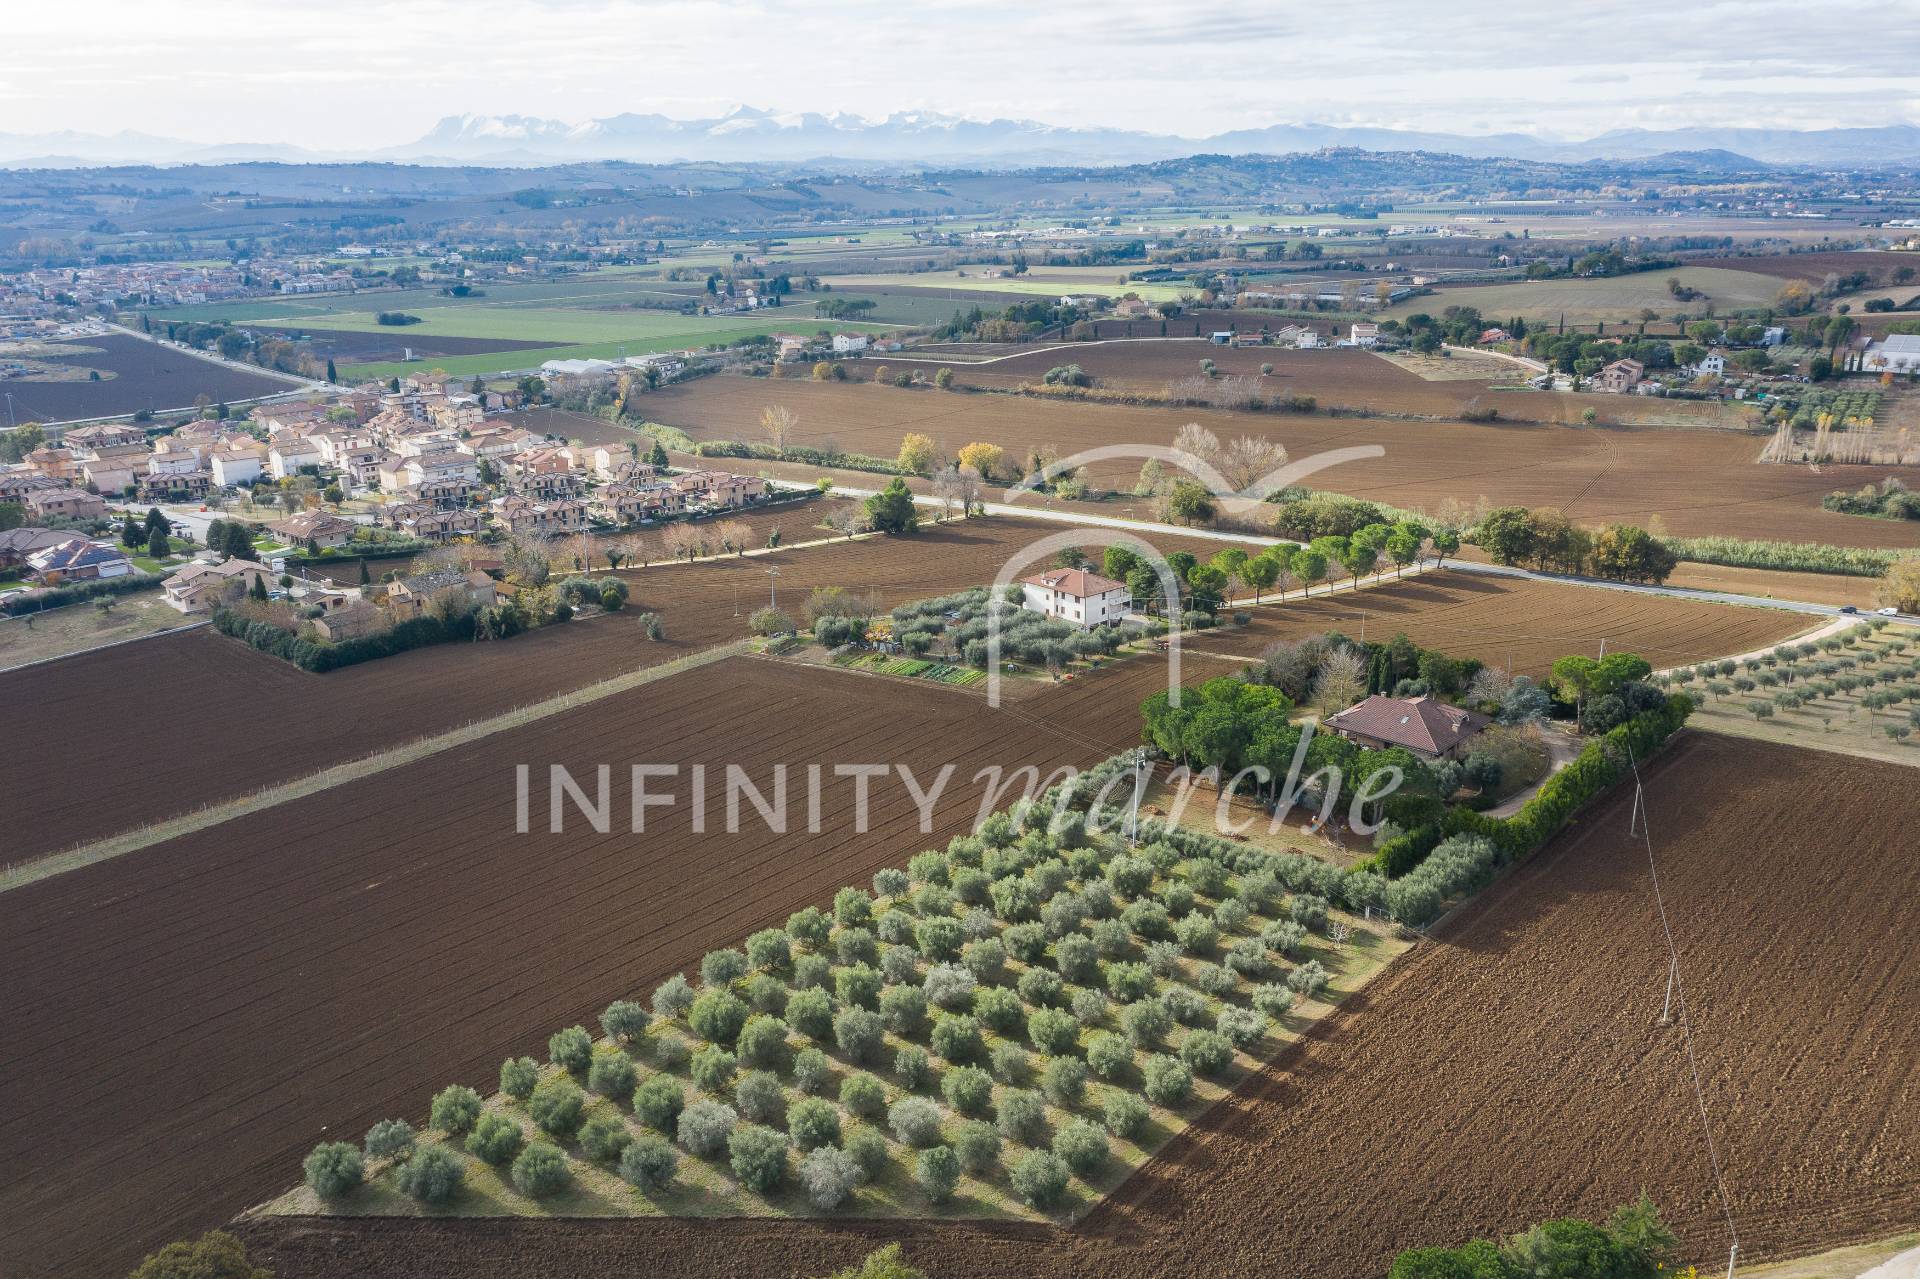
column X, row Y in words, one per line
column 1677, row 987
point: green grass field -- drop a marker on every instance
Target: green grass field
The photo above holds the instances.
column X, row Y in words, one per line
column 1619, row 298
column 1052, row 282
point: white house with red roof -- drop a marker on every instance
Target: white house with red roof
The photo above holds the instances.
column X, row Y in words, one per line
column 1075, row 595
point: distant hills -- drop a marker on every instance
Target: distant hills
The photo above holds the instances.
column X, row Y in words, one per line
column 917, row 138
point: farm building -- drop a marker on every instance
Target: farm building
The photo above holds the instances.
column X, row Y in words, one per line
column 1898, row 353
column 410, row 596
column 1430, row 729
column 1620, row 377
column 1364, row 335
column 849, row 343
column 1075, row 595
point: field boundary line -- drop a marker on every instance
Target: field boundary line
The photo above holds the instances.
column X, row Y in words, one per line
column 12, row 877
column 101, row 648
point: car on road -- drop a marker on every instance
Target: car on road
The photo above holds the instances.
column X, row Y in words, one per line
column 1849, row 609
column 1888, row 611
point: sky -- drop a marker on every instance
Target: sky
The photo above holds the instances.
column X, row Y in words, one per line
column 362, row 74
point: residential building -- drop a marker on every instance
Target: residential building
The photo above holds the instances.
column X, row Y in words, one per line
column 172, row 485
column 18, row 543
column 77, row 559
column 108, row 435
column 64, row 504
column 316, row 527
column 1620, row 376
column 1713, row 362
column 1075, row 595
column 522, row 515
column 849, row 343
column 287, row 455
column 624, row 503
column 410, row 597
column 1364, row 334
column 1430, row 729
column 198, row 586
column 234, row 462
column 56, row 464
column 353, row 621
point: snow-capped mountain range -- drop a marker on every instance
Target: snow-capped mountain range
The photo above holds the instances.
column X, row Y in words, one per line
column 933, row 138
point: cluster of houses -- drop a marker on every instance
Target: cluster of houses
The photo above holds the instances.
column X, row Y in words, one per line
column 335, row 612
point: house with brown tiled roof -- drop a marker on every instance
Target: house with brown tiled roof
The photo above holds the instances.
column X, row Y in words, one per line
column 522, row 515
column 410, row 596
column 1430, row 729
column 1077, row 596
column 200, row 585
column 77, row 559
column 317, row 527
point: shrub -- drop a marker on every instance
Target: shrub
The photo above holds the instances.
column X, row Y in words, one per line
column 812, row 1123
column 913, row 1067
column 1089, row 1007
column 758, row 1097
column 904, row 1009
column 648, row 1162
column 853, row 946
column 495, row 1139
column 1273, row 999
column 957, row 1038
column 1022, row 1116
column 604, row 1138
column 977, row 1145
column 541, row 1170
column 869, row 1150
column 717, row 1016
column 556, row 1107
column 1040, row 1178
column 829, row 1176
column 432, row 1176
column 938, row 1172
column 720, row 967
column 1168, row 1082
column 859, row 1034
column 518, row 1075
column 769, row 950
column 1232, row 915
column 767, row 994
column 1283, row 936
column 758, row 1157
column 900, row 965
column 810, row 926
column 1076, row 958
column 1248, row 956
column 999, row 1010
column 1040, row 987
column 454, row 1109
column 612, row 1073
column 811, row 1013
column 1212, row 979
column 673, row 997
column 704, row 1126
column 388, row 1138
column 1009, row 1063
column 915, row 1121
column 1149, row 919
column 811, row 1070
column 969, row 1090
column 1183, row 1005
column 762, row 1042
column 1129, row 982
column 1243, row 1027
column 334, row 1169
column 1145, row 1022
column 949, row 986
column 624, row 1021
column 1109, row 1055
column 657, row 1102
column 1081, row 1146
column 1125, row 1115
column 1309, row 979
column 1064, row 1081
column 1206, row 1052
column 863, row 1095
column 713, row 1068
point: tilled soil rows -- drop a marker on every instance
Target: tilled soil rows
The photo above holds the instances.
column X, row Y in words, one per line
column 1511, row 1069
column 1695, row 482
column 184, row 1022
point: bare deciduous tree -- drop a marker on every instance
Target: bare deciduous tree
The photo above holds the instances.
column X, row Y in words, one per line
column 779, row 422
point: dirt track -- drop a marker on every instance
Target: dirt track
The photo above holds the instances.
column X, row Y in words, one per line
column 1396, row 1124
column 183, row 1022
column 1697, row 482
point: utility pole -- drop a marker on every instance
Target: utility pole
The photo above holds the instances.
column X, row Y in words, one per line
column 772, row 574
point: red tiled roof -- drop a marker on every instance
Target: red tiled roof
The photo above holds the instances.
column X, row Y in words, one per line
column 1419, row 723
column 1076, row 582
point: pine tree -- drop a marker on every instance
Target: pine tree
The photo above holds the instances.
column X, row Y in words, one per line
column 365, row 577
column 333, row 374
column 157, row 544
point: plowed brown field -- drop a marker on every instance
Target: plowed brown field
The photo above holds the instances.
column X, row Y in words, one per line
column 1696, row 482
column 184, row 1022
column 1511, row 1069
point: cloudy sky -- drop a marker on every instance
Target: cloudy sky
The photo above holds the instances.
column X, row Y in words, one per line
column 368, row 73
